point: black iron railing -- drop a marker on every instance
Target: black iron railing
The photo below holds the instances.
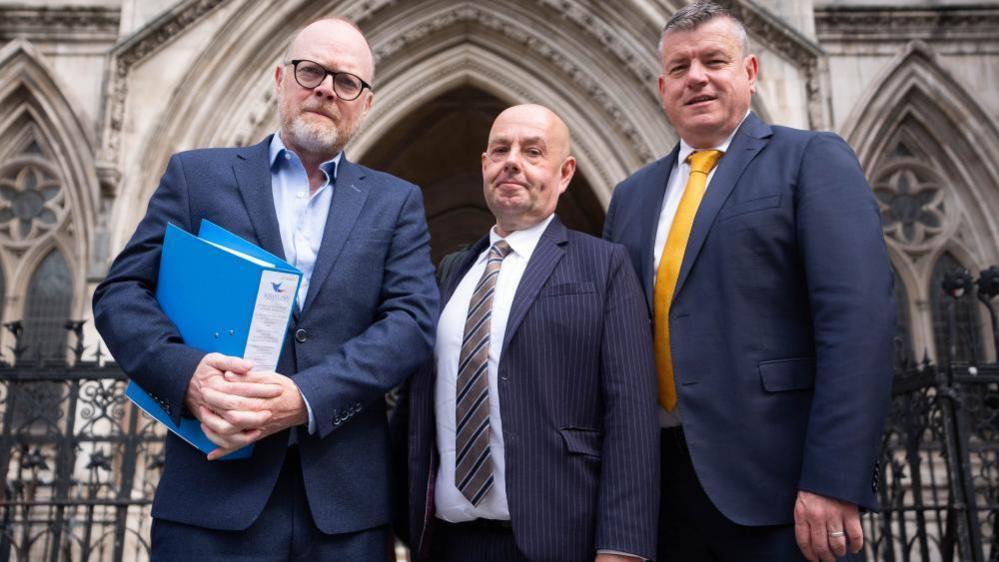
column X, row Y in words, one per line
column 939, row 472
column 81, row 464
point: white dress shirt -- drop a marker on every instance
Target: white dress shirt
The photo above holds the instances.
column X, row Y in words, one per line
column 674, row 191
column 451, row 505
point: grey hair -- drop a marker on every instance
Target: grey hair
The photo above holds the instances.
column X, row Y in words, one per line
column 694, row 15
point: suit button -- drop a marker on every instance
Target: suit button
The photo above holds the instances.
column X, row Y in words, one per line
column 301, row 336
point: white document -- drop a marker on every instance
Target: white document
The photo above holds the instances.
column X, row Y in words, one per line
column 275, row 297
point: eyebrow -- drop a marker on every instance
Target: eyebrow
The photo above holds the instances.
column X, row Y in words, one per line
column 506, row 140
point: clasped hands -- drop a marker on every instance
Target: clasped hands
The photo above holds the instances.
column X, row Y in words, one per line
column 238, row 406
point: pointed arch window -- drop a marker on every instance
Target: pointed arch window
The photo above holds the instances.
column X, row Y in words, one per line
column 968, row 343
column 50, row 298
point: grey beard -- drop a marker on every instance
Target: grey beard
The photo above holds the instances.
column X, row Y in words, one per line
column 315, row 139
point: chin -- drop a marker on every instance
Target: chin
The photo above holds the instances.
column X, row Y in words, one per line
column 316, row 138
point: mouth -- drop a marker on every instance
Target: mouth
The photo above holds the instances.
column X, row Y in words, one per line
column 510, row 184
column 321, row 114
column 700, row 99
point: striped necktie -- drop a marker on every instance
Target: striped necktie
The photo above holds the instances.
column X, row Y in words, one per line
column 701, row 163
column 473, row 474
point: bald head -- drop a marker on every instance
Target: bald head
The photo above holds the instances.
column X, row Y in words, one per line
column 526, row 166
column 336, row 32
column 540, row 118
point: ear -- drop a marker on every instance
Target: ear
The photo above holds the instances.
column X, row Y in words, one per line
column 278, row 74
column 566, row 172
column 752, row 71
column 368, row 102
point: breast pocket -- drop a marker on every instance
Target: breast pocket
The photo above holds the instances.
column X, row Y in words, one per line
column 755, row 205
column 567, row 289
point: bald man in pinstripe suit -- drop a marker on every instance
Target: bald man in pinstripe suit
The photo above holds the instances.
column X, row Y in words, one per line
column 533, row 435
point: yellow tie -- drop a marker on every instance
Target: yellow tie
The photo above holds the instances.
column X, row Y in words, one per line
column 701, row 163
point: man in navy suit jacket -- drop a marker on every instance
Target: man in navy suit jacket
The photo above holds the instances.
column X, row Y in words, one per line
column 316, row 484
column 778, row 330
column 567, row 467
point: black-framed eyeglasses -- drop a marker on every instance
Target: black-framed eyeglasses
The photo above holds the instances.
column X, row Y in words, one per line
column 310, row 74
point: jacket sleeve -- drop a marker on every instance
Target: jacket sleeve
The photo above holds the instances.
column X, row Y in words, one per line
column 628, row 507
column 849, row 282
column 143, row 341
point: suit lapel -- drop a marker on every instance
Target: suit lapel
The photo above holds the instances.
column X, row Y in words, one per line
column 546, row 256
column 253, row 175
column 746, row 144
column 652, row 197
column 349, row 195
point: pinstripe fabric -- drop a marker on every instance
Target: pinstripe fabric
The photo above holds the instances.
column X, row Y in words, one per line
column 577, row 389
column 473, row 474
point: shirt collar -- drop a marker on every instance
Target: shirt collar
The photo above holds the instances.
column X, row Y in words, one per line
column 277, row 149
column 522, row 242
column 686, row 149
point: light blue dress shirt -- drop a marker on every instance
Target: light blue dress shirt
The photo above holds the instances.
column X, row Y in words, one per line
column 301, row 216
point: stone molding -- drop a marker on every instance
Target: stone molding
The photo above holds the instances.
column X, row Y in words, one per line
column 581, row 72
column 640, row 65
column 140, row 45
column 790, row 44
column 59, row 23
column 522, row 33
column 884, row 23
column 603, row 169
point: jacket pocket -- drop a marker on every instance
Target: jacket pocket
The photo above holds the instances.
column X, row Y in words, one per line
column 559, row 289
column 751, row 206
column 781, row 375
column 581, row 441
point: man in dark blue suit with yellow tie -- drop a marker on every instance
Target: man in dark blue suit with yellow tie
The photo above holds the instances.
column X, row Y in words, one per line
column 761, row 253
column 532, row 435
column 316, row 486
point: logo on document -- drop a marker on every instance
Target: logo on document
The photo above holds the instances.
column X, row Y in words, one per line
column 277, row 287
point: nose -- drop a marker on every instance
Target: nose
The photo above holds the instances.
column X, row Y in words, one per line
column 512, row 161
column 697, row 73
column 325, row 91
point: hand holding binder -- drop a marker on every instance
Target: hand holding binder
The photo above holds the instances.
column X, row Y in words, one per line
column 284, row 408
column 224, row 295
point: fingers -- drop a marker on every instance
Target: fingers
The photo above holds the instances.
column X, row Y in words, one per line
column 215, row 425
column 219, row 453
column 252, row 389
column 259, row 377
column 233, row 423
column 220, row 401
column 854, row 532
column 228, row 441
column 818, row 533
column 826, row 528
column 802, row 536
column 225, row 363
column 837, row 539
column 246, row 420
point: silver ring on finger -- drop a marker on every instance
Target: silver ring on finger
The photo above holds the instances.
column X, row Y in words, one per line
column 837, row 534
